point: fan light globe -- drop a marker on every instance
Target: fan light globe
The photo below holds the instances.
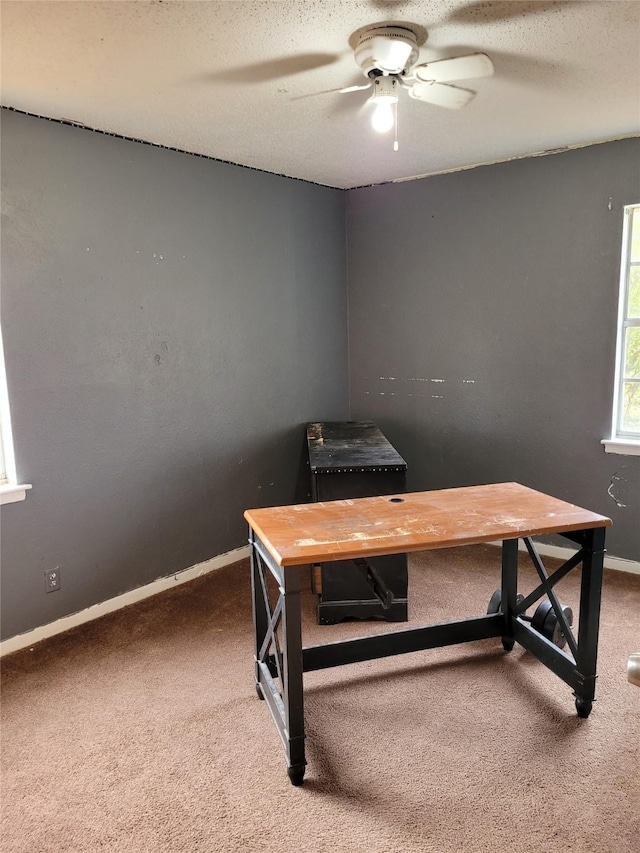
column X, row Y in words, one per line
column 383, row 118
column 384, row 99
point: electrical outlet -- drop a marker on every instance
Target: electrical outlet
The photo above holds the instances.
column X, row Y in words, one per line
column 52, row 579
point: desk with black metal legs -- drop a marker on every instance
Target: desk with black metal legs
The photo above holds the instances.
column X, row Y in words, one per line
column 284, row 539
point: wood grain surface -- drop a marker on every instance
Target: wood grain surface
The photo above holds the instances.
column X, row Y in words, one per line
column 412, row 521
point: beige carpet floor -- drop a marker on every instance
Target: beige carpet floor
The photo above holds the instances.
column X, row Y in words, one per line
column 142, row 731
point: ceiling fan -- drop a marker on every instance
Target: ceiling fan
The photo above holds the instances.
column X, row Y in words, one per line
column 476, row 12
column 386, row 55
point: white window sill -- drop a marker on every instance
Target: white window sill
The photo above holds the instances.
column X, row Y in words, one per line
column 626, row 446
column 10, row 494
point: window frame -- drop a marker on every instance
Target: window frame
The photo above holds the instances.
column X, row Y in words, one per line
column 623, row 441
column 10, row 490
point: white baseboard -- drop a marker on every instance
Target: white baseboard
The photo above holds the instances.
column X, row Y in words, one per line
column 22, row 641
column 617, row 563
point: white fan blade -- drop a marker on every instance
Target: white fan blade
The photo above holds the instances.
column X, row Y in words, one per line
column 457, row 68
column 354, row 88
column 343, row 91
column 441, row 95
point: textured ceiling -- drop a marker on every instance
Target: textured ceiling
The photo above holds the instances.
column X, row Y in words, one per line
column 230, row 79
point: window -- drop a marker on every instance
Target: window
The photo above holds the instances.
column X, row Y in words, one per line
column 10, row 491
column 625, row 431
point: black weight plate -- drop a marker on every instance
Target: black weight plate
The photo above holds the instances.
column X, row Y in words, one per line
column 495, row 601
column 552, row 630
column 540, row 614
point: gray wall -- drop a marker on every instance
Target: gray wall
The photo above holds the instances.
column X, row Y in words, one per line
column 502, row 283
column 170, row 323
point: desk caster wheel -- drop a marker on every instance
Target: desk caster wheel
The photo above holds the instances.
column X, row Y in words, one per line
column 583, row 707
column 259, row 692
column 296, row 774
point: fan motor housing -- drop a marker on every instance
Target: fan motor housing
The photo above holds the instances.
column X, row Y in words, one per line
column 386, row 50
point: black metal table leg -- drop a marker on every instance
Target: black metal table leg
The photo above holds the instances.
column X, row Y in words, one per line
column 509, row 589
column 260, row 617
column 590, row 597
column 292, row 675
column 278, row 651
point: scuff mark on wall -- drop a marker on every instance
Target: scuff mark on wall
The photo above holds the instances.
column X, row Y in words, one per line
column 614, row 479
column 401, row 380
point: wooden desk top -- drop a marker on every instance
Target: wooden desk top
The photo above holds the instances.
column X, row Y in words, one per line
column 413, row 521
